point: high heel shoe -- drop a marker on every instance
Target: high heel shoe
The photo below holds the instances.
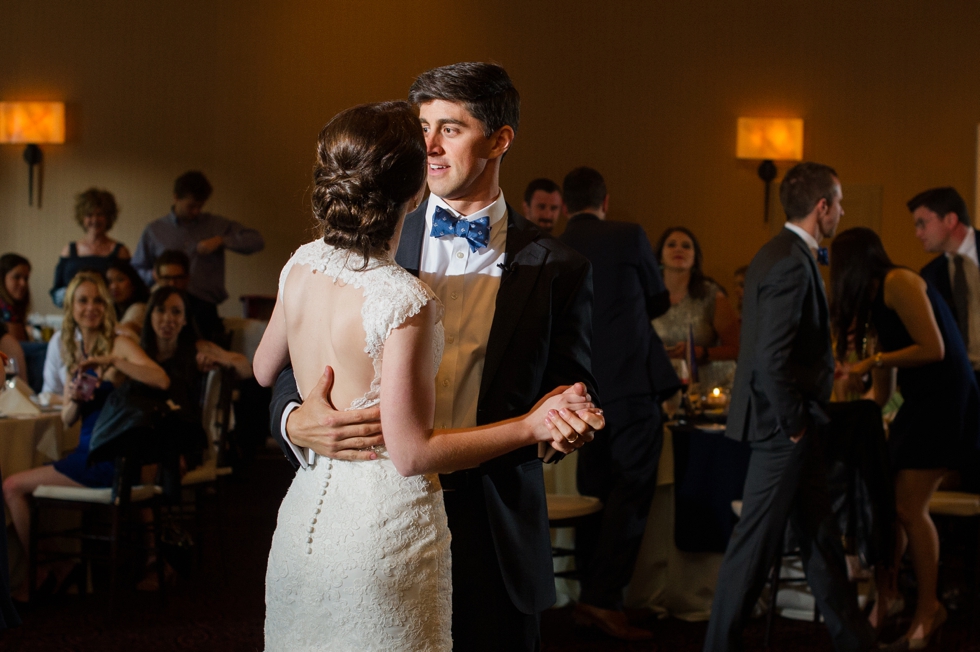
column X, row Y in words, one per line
column 906, row 643
column 895, row 607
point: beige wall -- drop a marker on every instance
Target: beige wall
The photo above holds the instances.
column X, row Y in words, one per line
column 647, row 92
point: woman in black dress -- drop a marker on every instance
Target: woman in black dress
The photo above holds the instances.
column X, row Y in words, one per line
column 938, row 423
column 95, row 211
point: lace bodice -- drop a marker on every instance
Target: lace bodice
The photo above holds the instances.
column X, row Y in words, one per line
column 391, row 295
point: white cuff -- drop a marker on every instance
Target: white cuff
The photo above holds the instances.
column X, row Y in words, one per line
column 298, row 452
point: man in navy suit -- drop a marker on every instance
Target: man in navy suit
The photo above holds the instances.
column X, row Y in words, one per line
column 518, row 321
column 942, row 224
column 633, row 372
column 784, row 379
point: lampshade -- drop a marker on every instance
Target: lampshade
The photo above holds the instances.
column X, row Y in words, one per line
column 32, row 122
column 770, row 138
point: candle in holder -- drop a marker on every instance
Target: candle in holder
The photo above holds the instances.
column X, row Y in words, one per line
column 716, row 398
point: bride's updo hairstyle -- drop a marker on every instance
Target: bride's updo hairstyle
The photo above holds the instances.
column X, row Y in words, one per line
column 370, row 160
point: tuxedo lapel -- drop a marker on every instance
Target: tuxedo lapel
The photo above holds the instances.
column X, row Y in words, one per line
column 524, row 260
column 409, row 254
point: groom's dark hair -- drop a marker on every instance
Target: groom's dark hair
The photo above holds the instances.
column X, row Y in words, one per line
column 485, row 89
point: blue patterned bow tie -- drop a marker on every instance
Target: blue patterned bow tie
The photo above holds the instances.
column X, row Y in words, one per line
column 476, row 232
column 823, row 256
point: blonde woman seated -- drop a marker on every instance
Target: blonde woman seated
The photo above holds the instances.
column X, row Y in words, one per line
column 97, row 364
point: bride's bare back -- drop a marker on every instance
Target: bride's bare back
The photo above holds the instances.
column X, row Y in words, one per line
column 324, row 327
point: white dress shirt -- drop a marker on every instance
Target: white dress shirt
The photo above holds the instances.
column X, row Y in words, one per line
column 968, row 248
column 968, row 251
column 810, row 241
column 466, row 282
column 55, row 371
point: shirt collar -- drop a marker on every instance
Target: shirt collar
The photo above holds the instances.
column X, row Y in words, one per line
column 808, row 239
column 968, row 247
column 496, row 211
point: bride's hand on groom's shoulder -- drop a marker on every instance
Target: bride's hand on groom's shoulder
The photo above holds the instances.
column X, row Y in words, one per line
column 338, row 434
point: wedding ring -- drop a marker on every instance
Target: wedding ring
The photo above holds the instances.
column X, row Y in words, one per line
column 572, row 440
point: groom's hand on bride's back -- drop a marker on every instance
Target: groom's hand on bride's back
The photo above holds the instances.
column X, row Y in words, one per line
column 338, row 434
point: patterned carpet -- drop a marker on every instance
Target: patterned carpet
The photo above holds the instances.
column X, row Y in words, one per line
column 218, row 610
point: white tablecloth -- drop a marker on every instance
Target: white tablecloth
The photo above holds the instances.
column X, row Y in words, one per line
column 31, row 442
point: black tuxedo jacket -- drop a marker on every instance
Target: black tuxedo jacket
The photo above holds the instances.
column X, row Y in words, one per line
column 540, row 338
column 936, row 272
column 785, row 368
column 628, row 358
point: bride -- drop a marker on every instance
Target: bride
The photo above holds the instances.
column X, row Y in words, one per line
column 360, row 556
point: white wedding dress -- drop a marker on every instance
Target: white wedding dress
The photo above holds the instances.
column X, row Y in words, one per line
column 360, row 557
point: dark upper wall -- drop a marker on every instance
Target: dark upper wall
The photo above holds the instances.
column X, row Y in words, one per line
column 648, row 93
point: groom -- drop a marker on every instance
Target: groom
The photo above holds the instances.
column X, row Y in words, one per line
column 518, row 323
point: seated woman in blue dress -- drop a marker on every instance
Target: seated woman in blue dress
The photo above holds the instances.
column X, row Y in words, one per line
column 937, row 427
column 96, row 363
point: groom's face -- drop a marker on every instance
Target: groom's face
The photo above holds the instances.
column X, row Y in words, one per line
column 459, row 155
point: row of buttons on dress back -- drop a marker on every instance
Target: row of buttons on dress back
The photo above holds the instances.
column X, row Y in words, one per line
column 316, row 511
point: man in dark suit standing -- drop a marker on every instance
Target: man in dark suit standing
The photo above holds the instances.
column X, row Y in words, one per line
column 518, row 320
column 632, row 369
column 942, row 224
column 783, row 381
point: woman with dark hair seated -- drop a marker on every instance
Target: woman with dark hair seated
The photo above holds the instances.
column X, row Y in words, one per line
column 10, row 347
column 15, row 294
column 98, row 363
column 129, row 296
column 95, row 211
column 938, row 424
column 170, row 338
column 697, row 304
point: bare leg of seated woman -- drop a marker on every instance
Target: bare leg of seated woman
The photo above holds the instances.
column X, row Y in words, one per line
column 16, row 492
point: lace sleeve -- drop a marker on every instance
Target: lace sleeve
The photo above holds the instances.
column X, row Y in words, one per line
column 388, row 304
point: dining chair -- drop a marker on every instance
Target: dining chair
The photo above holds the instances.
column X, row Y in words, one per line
column 775, row 581
column 570, row 511
column 111, row 517
column 961, row 506
column 202, row 486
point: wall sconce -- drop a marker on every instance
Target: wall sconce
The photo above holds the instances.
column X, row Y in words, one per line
column 769, row 139
column 32, row 123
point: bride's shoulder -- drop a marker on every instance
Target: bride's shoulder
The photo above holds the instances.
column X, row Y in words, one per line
column 310, row 254
column 398, row 283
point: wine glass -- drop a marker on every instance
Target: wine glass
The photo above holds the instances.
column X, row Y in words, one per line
column 10, row 372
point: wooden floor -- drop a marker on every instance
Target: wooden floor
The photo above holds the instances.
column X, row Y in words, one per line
column 215, row 610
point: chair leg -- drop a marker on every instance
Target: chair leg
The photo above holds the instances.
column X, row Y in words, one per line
column 34, row 532
column 114, row 558
column 160, row 563
column 773, row 592
column 220, row 530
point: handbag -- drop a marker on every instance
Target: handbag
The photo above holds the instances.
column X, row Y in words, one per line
column 126, row 425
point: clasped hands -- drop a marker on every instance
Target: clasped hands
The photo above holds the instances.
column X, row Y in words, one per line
column 569, row 418
column 854, row 373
